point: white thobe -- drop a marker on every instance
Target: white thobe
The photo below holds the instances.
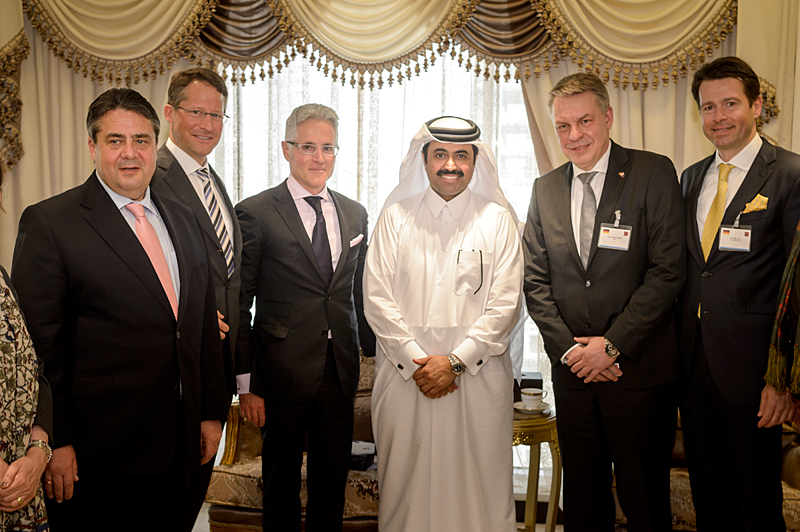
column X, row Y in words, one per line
column 444, row 464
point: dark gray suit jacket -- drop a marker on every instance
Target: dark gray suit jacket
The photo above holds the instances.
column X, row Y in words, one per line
column 626, row 296
column 739, row 291
column 294, row 309
column 170, row 181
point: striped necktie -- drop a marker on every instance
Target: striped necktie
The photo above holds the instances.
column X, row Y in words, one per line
column 215, row 213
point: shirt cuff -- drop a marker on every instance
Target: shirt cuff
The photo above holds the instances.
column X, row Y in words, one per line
column 564, row 356
column 243, row 383
column 469, row 354
column 403, row 359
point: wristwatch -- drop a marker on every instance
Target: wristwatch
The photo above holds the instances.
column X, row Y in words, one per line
column 41, row 445
column 456, row 366
column 611, row 351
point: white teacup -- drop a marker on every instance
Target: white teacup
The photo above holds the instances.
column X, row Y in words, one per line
column 532, row 397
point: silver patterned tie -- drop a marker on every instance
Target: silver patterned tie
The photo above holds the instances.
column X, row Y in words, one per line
column 588, row 211
column 215, row 213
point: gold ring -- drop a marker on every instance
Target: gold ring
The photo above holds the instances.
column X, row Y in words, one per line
column 19, row 500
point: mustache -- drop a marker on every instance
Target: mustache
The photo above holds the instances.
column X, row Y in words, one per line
column 443, row 171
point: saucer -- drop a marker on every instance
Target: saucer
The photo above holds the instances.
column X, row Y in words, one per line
column 519, row 405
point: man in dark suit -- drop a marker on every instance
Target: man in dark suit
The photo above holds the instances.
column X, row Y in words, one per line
column 195, row 111
column 604, row 262
column 115, row 286
column 303, row 258
column 742, row 207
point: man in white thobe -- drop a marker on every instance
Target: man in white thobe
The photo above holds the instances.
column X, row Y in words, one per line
column 442, row 287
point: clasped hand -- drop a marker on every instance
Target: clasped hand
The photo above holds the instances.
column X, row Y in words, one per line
column 434, row 376
column 590, row 361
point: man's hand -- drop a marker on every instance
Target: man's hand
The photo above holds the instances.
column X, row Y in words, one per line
column 252, row 409
column 590, row 360
column 61, row 474
column 776, row 407
column 210, row 434
column 223, row 327
column 434, row 375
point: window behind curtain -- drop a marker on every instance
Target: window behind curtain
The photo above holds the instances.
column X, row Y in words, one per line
column 375, row 129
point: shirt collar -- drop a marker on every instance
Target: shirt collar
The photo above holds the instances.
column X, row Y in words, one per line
column 744, row 159
column 120, row 201
column 186, row 161
column 601, row 167
column 298, row 192
column 456, row 205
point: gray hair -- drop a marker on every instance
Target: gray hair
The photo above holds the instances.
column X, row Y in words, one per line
column 578, row 84
column 311, row 111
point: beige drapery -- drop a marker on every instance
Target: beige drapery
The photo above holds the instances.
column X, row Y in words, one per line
column 123, row 41
column 14, row 48
column 659, row 113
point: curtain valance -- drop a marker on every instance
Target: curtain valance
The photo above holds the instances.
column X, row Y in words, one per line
column 634, row 42
column 14, row 49
column 122, row 41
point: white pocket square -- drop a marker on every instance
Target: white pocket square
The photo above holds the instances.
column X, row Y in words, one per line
column 356, row 240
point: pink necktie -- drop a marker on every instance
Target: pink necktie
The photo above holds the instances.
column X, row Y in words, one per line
column 149, row 240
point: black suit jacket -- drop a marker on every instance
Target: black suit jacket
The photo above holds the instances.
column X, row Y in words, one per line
column 170, row 181
column 739, row 291
column 294, row 309
column 101, row 321
column 626, row 296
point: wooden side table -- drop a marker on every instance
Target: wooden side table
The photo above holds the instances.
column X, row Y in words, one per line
column 534, row 430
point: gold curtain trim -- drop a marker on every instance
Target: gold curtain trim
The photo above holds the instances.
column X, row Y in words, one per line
column 302, row 42
column 686, row 57
column 11, row 56
column 769, row 106
column 179, row 44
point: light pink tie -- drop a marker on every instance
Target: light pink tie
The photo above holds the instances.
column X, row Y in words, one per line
column 149, row 240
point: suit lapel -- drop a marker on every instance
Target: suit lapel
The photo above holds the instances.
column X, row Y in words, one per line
column 177, row 231
column 284, row 204
column 176, row 179
column 342, row 232
column 619, row 166
column 110, row 224
column 562, row 201
column 692, row 195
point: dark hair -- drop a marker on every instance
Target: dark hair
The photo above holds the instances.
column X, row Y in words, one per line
column 425, row 152
column 728, row 67
column 181, row 80
column 126, row 99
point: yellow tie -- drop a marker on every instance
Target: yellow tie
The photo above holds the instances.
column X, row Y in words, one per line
column 716, row 211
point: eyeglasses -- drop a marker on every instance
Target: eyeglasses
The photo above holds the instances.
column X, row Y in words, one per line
column 311, row 149
column 199, row 115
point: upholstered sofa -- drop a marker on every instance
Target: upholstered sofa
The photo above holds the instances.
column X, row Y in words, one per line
column 236, row 488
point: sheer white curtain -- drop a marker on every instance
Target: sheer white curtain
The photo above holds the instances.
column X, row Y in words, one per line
column 375, row 129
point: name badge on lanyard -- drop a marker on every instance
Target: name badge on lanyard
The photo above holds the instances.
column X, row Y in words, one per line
column 615, row 236
column 735, row 237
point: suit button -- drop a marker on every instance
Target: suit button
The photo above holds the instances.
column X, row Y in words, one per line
column 587, row 325
column 400, row 366
column 706, row 274
column 178, row 334
column 588, row 284
column 329, row 298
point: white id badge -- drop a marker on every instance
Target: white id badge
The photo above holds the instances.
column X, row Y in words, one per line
column 732, row 238
column 614, row 237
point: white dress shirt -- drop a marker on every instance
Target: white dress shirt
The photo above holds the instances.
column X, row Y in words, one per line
column 190, row 168
column 742, row 162
column 576, row 195
column 309, row 216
